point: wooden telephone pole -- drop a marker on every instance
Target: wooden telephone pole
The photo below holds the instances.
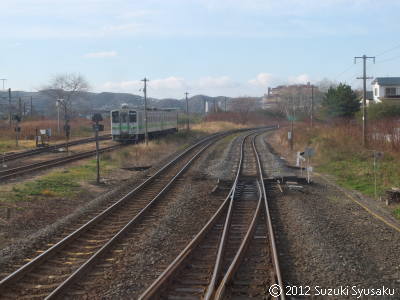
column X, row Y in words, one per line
column 364, row 78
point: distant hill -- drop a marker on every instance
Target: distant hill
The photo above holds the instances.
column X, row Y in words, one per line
column 88, row 102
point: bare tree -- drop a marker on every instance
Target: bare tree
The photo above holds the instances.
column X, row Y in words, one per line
column 63, row 89
column 243, row 106
column 66, row 87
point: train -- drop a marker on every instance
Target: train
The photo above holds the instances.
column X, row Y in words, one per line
column 128, row 125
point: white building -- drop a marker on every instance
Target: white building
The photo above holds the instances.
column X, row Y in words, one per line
column 387, row 88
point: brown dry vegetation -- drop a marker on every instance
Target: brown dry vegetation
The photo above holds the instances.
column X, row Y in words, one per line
column 79, row 127
column 339, row 152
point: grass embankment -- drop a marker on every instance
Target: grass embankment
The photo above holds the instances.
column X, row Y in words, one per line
column 339, row 152
column 71, row 181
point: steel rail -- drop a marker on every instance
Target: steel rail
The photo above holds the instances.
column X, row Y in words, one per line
column 13, row 156
column 275, row 259
column 211, row 287
column 161, row 283
column 155, row 288
column 6, row 174
column 241, row 251
column 84, row 268
column 11, row 278
column 243, row 247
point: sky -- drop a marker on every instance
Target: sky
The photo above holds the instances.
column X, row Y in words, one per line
column 221, row 47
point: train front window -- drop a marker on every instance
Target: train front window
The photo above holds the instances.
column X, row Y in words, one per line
column 132, row 117
column 124, row 117
column 115, row 116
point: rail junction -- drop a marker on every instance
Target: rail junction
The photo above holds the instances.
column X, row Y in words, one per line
column 234, row 255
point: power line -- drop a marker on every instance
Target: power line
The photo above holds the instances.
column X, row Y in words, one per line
column 388, row 59
column 343, row 72
column 389, row 50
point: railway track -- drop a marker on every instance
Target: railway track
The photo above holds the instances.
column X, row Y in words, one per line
column 12, row 156
column 234, row 255
column 51, row 273
column 14, row 172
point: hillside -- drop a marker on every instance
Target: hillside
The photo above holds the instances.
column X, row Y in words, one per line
column 88, row 102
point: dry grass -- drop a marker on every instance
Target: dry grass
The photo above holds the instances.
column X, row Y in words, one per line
column 339, row 152
column 80, row 127
column 216, row 126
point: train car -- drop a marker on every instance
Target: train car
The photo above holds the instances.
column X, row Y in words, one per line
column 127, row 125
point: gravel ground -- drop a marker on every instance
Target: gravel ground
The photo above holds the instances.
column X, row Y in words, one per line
column 190, row 205
column 326, row 240
column 12, row 256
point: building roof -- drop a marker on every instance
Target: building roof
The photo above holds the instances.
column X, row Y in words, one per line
column 386, row 81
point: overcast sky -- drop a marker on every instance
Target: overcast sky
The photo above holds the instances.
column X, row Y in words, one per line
column 220, row 47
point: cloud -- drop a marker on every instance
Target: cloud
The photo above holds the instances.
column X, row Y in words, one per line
column 101, row 54
column 163, row 84
column 299, row 79
column 215, row 82
column 262, row 80
column 174, row 86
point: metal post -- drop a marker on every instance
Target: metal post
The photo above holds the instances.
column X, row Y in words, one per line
column 375, row 173
column 312, row 106
column 9, row 107
column 146, row 135
column 97, row 152
column 16, row 133
column 292, row 127
column 187, row 112
column 67, row 128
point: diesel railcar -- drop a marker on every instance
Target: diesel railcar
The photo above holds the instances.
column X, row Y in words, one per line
column 127, row 125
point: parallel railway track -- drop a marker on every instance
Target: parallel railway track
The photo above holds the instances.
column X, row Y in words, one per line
column 14, row 172
column 234, row 255
column 51, row 273
column 12, row 156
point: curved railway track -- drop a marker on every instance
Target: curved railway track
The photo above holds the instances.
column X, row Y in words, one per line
column 234, row 255
column 14, row 172
column 52, row 272
column 13, row 156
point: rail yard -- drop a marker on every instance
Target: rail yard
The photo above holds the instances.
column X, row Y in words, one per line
column 224, row 218
column 202, row 150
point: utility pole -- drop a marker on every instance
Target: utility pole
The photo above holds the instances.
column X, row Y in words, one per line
column 312, row 104
column 364, row 78
column 20, row 107
column 146, row 135
column 292, row 126
column 187, row 111
column 9, row 107
column 3, row 79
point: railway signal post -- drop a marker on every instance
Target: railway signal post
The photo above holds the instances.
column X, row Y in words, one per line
column 96, row 128
column 17, row 119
